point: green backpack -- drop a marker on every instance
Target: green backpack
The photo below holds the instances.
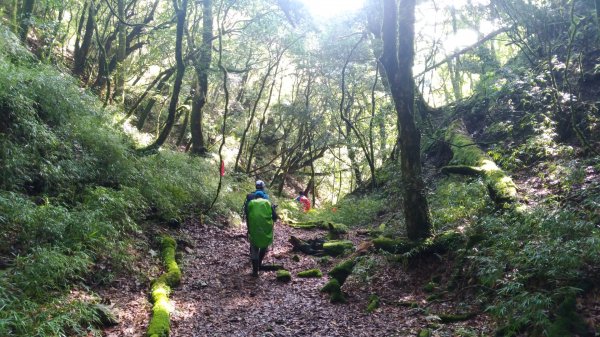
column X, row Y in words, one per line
column 260, row 223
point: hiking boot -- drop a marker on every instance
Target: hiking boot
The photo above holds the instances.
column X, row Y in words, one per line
column 255, row 267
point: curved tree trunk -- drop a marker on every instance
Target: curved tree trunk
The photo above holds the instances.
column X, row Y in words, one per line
column 164, row 134
column 397, row 59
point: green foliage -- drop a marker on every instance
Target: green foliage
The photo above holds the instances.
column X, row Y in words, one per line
column 457, row 199
column 46, row 269
column 72, row 195
column 54, row 316
column 534, row 261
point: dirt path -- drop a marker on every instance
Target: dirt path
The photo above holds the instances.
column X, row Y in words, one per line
column 219, row 297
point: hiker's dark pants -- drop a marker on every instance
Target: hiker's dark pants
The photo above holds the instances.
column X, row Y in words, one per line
column 257, row 255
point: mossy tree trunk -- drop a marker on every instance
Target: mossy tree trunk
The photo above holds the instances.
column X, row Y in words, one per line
column 469, row 159
column 397, row 59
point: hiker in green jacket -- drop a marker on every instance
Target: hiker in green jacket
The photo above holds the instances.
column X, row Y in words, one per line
column 260, row 216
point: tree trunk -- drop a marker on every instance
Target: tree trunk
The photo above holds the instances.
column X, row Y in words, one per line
column 121, row 51
column 26, row 12
column 263, row 84
column 202, row 66
column 260, row 126
column 397, row 59
column 81, row 53
column 164, row 134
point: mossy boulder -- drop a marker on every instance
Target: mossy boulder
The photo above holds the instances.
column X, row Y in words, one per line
column 336, row 230
column 341, row 271
column 394, row 246
column 334, row 289
column 311, row 273
column 337, row 247
column 330, row 286
column 283, row 275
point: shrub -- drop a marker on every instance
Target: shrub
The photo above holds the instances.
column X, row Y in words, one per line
column 534, row 261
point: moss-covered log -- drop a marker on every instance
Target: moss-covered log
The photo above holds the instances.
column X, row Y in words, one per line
column 271, row 267
column 160, row 324
column 438, row 244
column 338, row 247
column 283, row 275
column 469, row 159
column 451, row 318
column 310, row 247
column 373, row 303
column 310, row 273
column 394, row 246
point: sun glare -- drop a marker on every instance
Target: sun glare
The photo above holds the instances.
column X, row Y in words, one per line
column 330, row 8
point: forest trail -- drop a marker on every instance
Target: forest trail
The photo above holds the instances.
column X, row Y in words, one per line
column 219, row 297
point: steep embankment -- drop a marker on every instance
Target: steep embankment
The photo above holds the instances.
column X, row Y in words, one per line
column 78, row 207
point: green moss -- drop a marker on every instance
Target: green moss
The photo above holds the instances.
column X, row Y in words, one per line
column 160, row 324
column 429, row 287
column 447, row 241
column 304, row 225
column 161, row 288
column 336, row 230
column 342, row 270
column 337, row 297
column 425, row 333
column 310, row 273
column 173, row 275
column 451, row 318
column 334, row 289
column 283, row 275
column 393, row 246
column 466, row 153
column 331, row 286
column 337, row 247
column 373, row 303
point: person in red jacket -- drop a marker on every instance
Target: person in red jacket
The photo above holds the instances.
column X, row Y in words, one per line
column 304, row 201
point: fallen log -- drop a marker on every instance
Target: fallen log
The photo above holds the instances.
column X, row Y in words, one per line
column 469, row 159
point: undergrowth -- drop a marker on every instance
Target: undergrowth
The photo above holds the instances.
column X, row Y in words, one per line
column 74, row 195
